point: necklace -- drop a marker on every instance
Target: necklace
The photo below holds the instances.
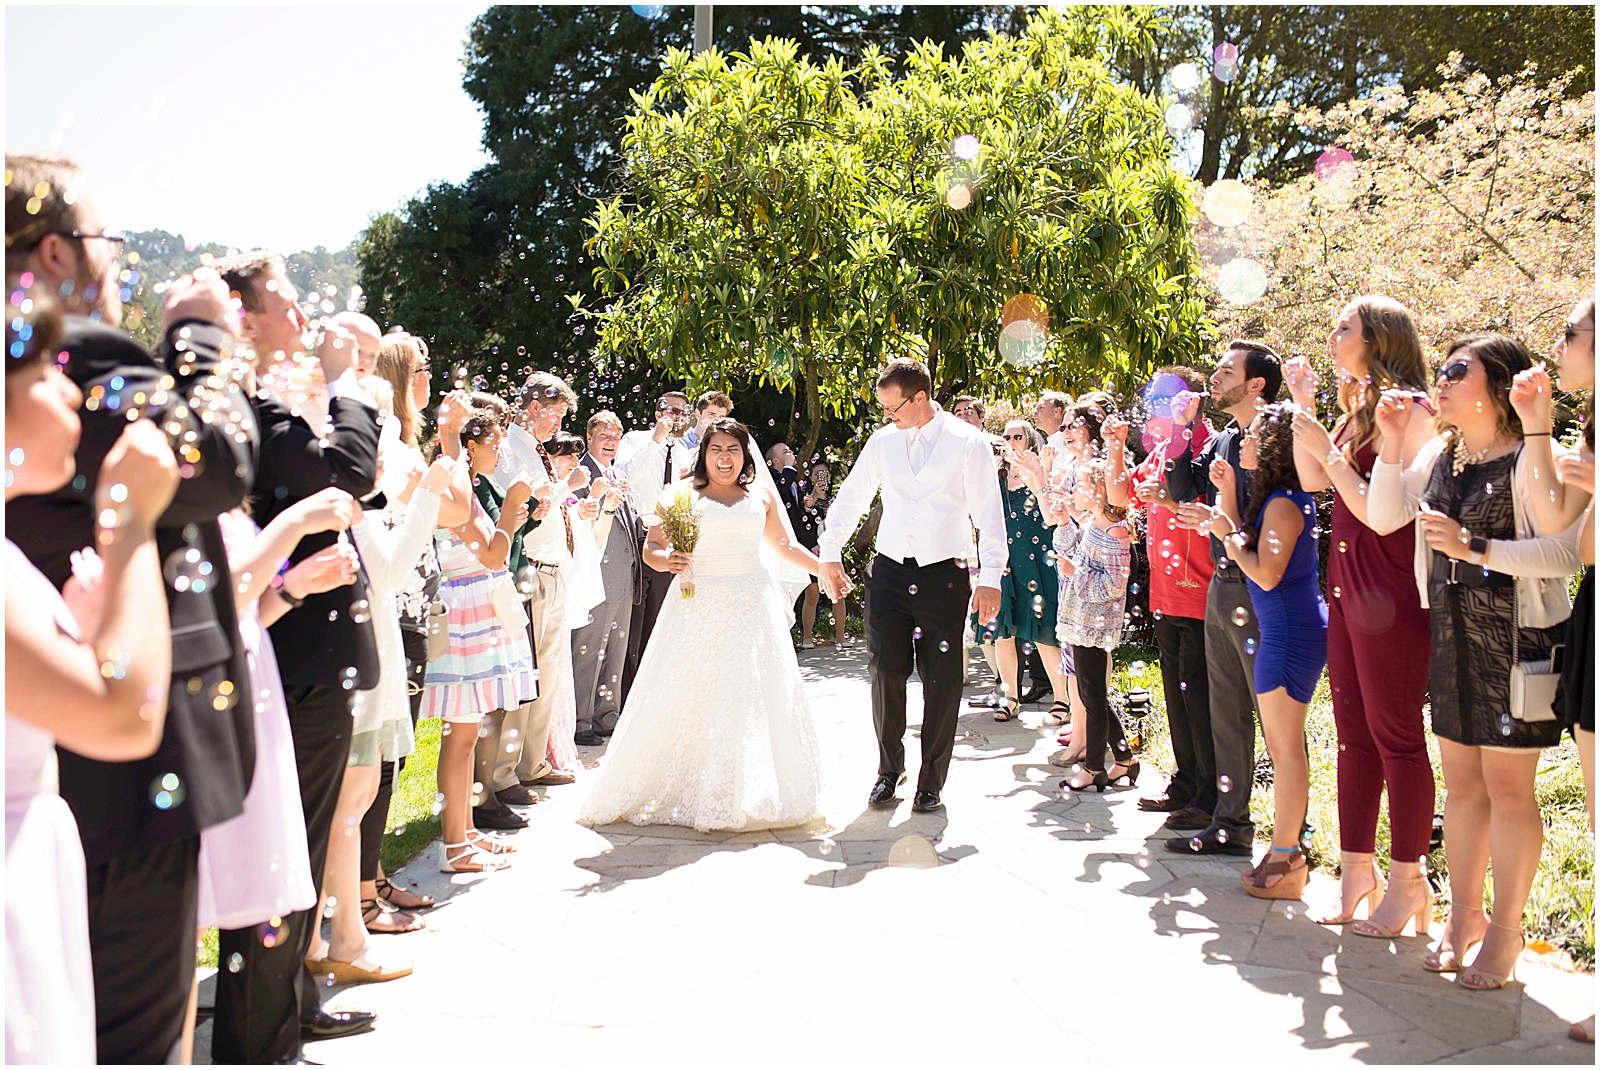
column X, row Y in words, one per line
column 1463, row 458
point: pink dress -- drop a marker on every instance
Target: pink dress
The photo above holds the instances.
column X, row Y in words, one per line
column 255, row 866
column 562, row 752
column 49, row 981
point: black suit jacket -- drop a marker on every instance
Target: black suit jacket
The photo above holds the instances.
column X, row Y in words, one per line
column 1188, row 479
column 319, row 642
column 209, row 739
column 631, row 528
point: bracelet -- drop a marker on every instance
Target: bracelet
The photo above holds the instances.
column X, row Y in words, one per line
column 289, row 599
column 1535, row 434
column 1334, row 457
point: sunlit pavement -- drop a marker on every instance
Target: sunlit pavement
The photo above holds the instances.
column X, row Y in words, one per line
column 1016, row 925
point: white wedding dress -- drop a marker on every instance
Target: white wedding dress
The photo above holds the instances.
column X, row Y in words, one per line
column 716, row 734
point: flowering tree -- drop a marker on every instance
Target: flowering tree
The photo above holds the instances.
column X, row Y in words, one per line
column 1473, row 204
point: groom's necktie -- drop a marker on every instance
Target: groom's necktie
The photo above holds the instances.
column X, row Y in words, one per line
column 666, row 467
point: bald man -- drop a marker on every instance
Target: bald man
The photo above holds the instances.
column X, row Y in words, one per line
column 369, row 339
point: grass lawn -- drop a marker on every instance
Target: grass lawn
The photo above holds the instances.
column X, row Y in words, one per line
column 413, row 824
column 1561, row 905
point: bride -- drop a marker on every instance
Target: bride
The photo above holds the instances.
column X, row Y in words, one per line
column 715, row 734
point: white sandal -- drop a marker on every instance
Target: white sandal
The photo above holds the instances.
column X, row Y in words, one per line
column 488, row 844
column 487, row 862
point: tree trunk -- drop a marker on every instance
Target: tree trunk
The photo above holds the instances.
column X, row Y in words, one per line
column 1216, row 117
column 813, row 400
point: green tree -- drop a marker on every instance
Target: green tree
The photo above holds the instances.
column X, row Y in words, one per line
column 776, row 226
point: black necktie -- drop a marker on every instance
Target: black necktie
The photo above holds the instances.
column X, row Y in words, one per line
column 666, row 466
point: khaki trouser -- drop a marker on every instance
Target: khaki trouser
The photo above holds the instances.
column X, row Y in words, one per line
column 531, row 721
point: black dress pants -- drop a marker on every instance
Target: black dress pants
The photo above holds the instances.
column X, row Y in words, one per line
column 643, row 622
column 1184, row 680
column 142, row 915
column 375, row 822
column 260, row 1005
column 915, row 614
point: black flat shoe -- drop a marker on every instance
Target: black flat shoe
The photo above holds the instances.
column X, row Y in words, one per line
column 1037, row 693
column 926, row 802
column 325, row 1025
column 1164, row 802
column 587, row 738
column 1213, row 841
column 500, row 817
column 1190, row 817
column 883, row 792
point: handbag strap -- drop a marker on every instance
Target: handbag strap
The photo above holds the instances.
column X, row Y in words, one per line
column 1516, row 629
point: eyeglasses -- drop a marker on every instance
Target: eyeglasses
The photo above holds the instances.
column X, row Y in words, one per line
column 1452, row 373
column 423, row 368
column 888, row 411
column 1569, row 333
column 675, row 412
column 116, row 240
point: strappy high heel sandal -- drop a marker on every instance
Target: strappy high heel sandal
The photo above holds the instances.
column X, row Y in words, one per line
column 1059, row 713
column 1419, row 918
column 488, row 844
column 1099, row 783
column 1281, row 864
column 1479, row 981
column 1130, row 773
column 1009, row 711
column 1450, row 960
column 1371, row 898
column 468, row 854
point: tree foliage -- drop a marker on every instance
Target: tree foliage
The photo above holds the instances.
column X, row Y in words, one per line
column 778, row 225
column 1472, row 203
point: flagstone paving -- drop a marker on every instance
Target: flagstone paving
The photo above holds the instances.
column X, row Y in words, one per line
column 1015, row 925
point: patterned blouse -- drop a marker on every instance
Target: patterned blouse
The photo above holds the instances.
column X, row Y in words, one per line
column 1091, row 603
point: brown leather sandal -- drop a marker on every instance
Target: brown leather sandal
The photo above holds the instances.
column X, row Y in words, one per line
column 1291, row 878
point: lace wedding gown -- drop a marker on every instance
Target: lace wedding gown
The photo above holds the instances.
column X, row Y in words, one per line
column 715, row 734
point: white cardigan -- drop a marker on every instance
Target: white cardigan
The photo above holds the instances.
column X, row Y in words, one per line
column 1540, row 563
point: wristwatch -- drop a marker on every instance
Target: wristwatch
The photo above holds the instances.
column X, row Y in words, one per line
column 1478, row 547
column 283, row 592
column 1334, row 457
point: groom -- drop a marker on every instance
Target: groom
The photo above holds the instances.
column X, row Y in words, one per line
column 937, row 474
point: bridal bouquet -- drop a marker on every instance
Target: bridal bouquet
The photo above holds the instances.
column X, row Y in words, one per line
column 680, row 523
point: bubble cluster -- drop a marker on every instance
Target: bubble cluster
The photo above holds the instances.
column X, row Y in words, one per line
column 1225, row 62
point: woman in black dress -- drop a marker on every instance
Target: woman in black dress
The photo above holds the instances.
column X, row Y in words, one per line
column 1495, row 585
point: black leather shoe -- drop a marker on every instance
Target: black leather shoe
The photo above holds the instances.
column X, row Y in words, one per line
column 325, row 1025
column 1036, row 693
column 991, row 701
column 588, row 738
column 1213, row 841
column 926, row 802
column 883, row 791
column 499, row 817
column 517, row 795
column 1190, row 817
column 1163, row 802
column 605, row 733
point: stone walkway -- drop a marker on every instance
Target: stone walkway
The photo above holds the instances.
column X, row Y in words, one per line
column 1014, row 926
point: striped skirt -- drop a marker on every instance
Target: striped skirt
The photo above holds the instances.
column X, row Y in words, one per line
column 487, row 668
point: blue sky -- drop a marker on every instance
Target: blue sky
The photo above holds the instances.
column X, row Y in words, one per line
column 284, row 127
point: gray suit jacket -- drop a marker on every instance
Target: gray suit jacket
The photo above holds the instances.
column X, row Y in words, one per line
column 621, row 563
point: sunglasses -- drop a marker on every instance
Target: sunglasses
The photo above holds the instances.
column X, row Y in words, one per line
column 1015, row 438
column 1452, row 373
column 1569, row 333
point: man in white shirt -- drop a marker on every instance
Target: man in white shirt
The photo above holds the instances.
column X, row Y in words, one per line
column 713, row 405
column 649, row 461
column 1048, row 416
column 525, row 734
column 938, row 481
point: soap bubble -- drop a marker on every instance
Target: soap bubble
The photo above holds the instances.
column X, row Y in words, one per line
column 1184, row 77
column 1179, row 118
column 1228, row 203
column 965, row 147
column 1242, row 281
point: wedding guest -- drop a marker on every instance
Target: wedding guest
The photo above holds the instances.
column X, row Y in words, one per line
column 649, row 461
column 549, row 545
column 1377, row 630
column 585, row 588
column 403, row 363
column 1180, row 572
column 712, row 405
column 601, row 646
column 1495, row 585
column 390, row 543
column 56, row 692
column 1028, row 587
column 142, row 858
column 1561, row 483
column 324, row 654
column 1274, row 542
column 1081, row 442
column 971, row 409
column 781, row 460
column 1246, row 374
column 489, row 666
column 1094, row 560
column 1049, row 414
column 256, row 867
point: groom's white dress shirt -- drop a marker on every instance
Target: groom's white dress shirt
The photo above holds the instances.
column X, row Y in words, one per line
column 519, row 454
column 643, row 461
column 938, row 483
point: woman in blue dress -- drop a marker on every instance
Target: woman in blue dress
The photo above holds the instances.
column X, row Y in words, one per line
column 1276, row 549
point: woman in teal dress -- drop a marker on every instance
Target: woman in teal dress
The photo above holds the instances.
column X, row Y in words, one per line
column 1028, row 586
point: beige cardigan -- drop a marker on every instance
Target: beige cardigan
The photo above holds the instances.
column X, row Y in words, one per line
column 1540, row 563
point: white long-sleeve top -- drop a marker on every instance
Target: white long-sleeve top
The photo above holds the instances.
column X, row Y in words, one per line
column 642, row 461
column 1540, row 563
column 390, row 556
column 546, row 542
column 928, row 514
